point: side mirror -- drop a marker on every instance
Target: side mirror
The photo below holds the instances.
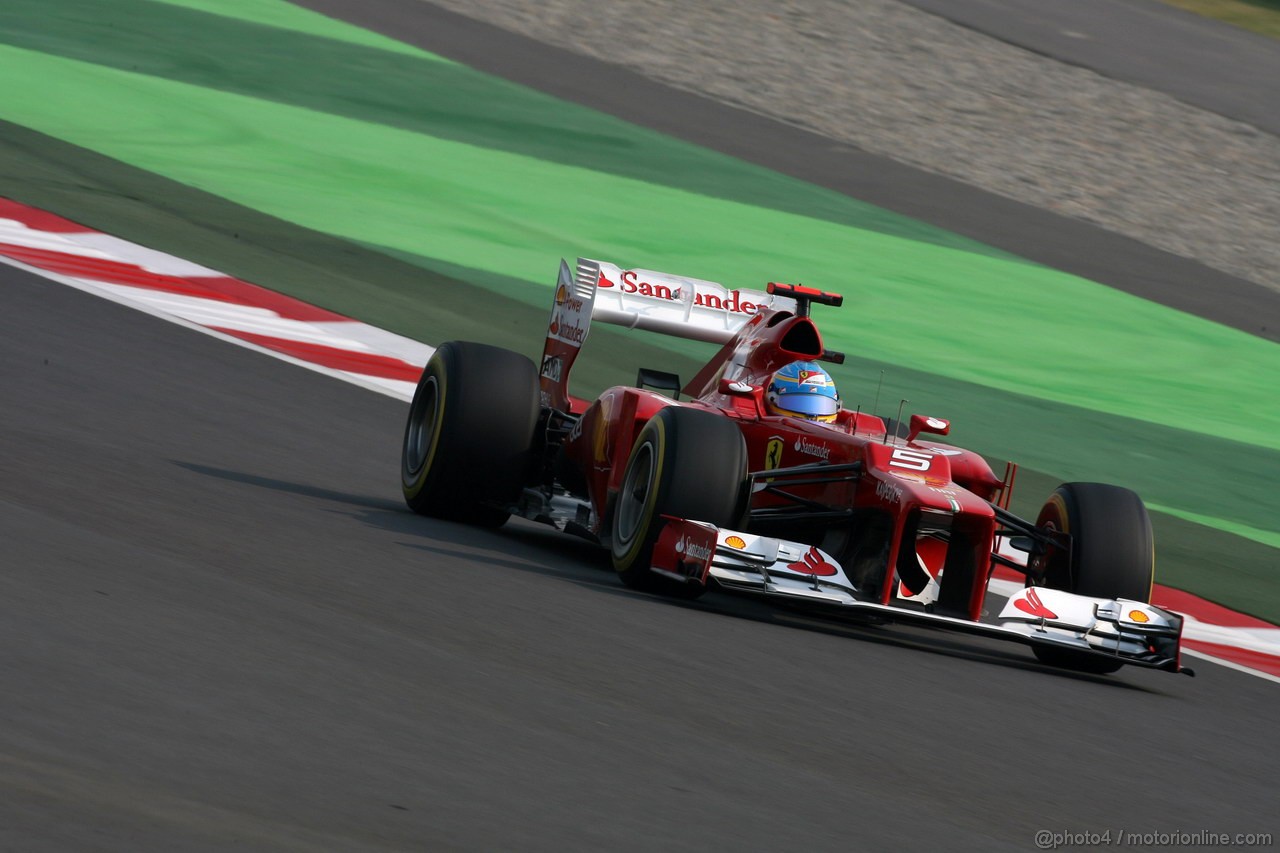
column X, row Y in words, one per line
column 659, row 380
column 925, row 423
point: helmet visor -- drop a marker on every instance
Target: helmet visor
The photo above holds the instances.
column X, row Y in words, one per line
column 810, row 405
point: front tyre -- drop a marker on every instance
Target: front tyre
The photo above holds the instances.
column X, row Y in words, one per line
column 1112, row 554
column 469, row 444
column 685, row 463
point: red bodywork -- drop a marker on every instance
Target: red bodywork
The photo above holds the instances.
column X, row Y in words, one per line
column 920, row 486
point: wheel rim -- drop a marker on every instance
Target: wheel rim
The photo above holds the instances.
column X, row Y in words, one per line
column 633, row 499
column 422, row 427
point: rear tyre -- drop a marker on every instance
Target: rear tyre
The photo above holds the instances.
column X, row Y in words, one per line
column 685, row 463
column 469, row 444
column 1112, row 554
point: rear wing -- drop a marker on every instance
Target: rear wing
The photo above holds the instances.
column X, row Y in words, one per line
column 639, row 299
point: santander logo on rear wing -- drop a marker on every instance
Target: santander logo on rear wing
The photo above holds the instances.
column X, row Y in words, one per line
column 675, row 305
column 638, row 299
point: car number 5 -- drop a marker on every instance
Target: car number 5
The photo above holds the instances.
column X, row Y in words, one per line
column 913, row 459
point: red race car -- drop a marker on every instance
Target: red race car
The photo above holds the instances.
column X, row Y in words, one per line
column 760, row 481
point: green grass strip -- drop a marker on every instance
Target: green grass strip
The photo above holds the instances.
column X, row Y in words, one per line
column 1264, row 537
column 1261, row 16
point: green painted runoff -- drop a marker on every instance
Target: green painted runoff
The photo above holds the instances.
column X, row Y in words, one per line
column 279, row 52
column 389, row 292
column 922, row 305
column 444, row 180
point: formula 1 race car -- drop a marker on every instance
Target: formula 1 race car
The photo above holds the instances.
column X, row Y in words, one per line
column 842, row 511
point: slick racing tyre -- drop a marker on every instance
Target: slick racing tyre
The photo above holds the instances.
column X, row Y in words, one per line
column 685, row 463
column 1112, row 554
column 469, row 445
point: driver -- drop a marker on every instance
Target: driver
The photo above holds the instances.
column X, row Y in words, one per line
column 802, row 389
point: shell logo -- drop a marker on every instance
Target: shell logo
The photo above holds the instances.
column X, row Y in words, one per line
column 562, row 295
column 735, row 542
column 1138, row 616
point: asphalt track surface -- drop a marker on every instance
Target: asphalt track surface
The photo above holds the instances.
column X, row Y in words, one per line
column 1140, row 41
column 222, row 628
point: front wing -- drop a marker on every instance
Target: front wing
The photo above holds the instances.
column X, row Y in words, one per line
column 1132, row 632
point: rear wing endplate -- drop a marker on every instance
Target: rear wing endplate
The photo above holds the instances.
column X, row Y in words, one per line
column 639, row 299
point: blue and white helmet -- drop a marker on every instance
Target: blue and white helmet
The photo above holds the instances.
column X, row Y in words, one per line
column 802, row 389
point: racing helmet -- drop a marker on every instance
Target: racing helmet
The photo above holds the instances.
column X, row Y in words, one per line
column 802, row 389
